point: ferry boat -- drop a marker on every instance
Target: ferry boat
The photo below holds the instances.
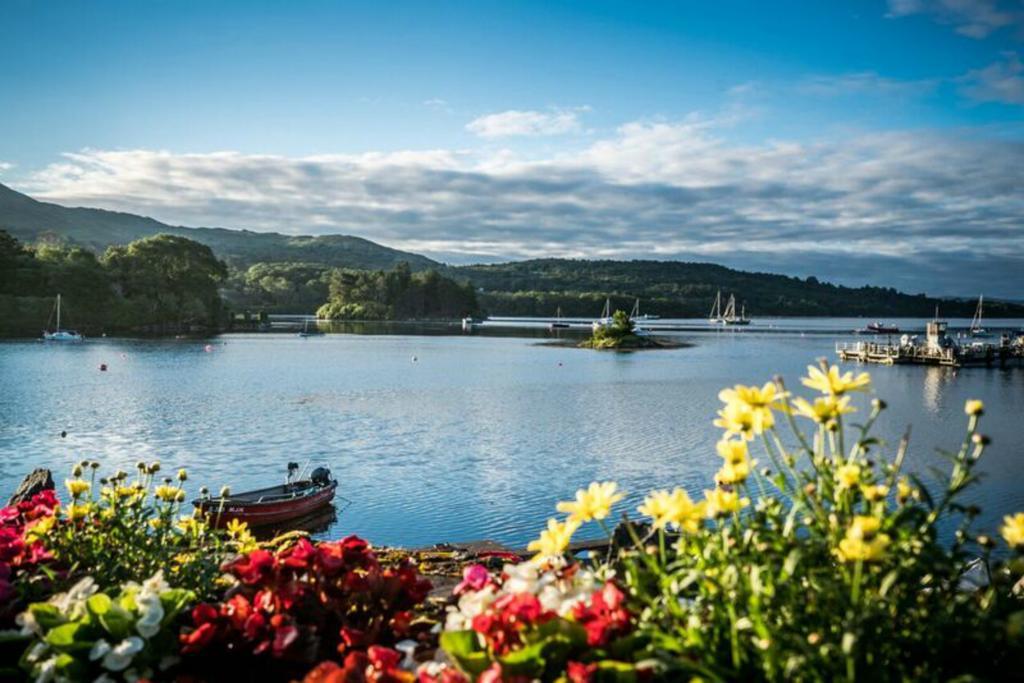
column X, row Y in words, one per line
column 294, row 499
column 59, row 335
column 728, row 316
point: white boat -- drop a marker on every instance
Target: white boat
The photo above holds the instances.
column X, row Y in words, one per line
column 559, row 323
column 976, row 330
column 606, row 318
column 306, row 332
column 728, row 316
column 58, row 334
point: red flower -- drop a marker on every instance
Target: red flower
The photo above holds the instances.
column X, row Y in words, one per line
column 253, row 568
column 581, row 673
column 299, row 556
column 198, row 639
column 605, row 617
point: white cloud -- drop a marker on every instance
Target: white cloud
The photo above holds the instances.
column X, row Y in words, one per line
column 862, row 83
column 530, row 123
column 893, row 208
column 5, row 166
column 1001, row 81
column 972, row 18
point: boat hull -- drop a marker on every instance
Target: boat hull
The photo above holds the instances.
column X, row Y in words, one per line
column 257, row 514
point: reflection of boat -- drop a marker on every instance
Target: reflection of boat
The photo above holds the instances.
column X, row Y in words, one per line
column 275, row 504
column 976, row 330
column 58, row 334
column 728, row 316
column 878, row 328
column 306, row 332
column 316, row 522
column 558, row 321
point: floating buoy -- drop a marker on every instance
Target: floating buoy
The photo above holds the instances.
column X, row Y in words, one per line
column 103, row 367
column 208, row 348
column 414, row 359
column 559, row 363
column 63, row 434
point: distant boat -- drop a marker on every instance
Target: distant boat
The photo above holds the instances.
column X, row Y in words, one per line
column 878, row 328
column 728, row 316
column 58, row 334
column 976, row 330
column 306, row 332
column 636, row 316
column 606, row 318
column 558, row 320
column 469, row 322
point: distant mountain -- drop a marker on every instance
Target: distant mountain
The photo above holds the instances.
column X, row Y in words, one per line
column 30, row 221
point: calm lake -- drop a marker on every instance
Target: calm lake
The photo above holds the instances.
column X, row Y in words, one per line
column 450, row 437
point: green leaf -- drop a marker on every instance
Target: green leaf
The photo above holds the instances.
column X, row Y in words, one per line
column 526, row 661
column 117, row 621
column 46, row 615
column 464, row 648
column 73, row 636
column 609, row 671
column 99, row 604
column 174, row 601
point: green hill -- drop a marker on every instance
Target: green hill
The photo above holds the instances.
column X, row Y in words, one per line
column 675, row 288
column 31, row 221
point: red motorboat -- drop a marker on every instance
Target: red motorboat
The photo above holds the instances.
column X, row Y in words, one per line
column 273, row 505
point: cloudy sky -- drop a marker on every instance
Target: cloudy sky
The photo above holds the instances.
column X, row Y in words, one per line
column 866, row 141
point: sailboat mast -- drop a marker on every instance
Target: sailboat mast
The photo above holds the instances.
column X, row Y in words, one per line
column 58, row 313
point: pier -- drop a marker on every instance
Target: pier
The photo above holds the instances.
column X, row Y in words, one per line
column 938, row 348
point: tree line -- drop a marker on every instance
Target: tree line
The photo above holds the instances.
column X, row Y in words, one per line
column 161, row 285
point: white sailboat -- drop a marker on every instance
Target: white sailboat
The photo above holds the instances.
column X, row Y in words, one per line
column 58, row 334
column 606, row 316
column 636, row 316
column 306, row 332
column 559, row 323
column 728, row 316
column 976, row 330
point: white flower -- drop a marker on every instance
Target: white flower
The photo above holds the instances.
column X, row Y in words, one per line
column 155, row 585
column 47, row 670
column 27, row 621
column 72, row 603
column 99, row 649
column 522, row 578
column 470, row 604
column 152, row 612
column 120, row 656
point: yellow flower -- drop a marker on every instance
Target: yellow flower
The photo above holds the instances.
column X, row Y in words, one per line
column 554, row 540
column 862, row 541
column 721, row 502
column 758, row 400
column 823, row 410
column 76, row 512
column 594, row 502
column 1013, row 530
column 77, row 487
column 974, row 407
column 40, row 528
column 737, row 461
column 166, row 493
column 156, row 522
column 673, row 508
column 833, row 383
column 190, row 525
column 739, row 419
column 848, row 476
column 236, row 527
column 903, row 489
column 874, row 492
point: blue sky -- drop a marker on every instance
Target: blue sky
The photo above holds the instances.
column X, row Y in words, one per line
column 858, row 141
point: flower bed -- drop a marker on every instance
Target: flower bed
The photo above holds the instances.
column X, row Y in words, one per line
column 821, row 559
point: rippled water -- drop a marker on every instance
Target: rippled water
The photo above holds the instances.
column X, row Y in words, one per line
column 458, row 437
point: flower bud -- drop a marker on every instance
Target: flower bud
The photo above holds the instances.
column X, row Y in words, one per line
column 974, row 408
column 182, row 475
column 878, row 404
column 94, row 464
column 980, row 440
column 155, row 467
column 203, row 491
column 986, row 541
column 76, row 471
column 141, row 466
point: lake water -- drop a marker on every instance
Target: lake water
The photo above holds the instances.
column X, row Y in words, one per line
column 451, row 437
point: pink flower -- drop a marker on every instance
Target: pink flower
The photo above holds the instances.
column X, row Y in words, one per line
column 474, row 577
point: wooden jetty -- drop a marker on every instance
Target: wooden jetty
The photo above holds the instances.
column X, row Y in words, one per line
column 938, row 348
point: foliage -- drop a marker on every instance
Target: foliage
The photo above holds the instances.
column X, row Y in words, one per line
column 279, row 287
column 130, row 528
column 620, row 333
column 159, row 284
column 88, row 634
column 836, row 571
column 307, row 601
column 397, row 294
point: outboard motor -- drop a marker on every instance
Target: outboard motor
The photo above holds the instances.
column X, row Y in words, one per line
column 321, row 476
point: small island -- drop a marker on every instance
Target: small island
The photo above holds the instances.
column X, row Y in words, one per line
column 620, row 334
